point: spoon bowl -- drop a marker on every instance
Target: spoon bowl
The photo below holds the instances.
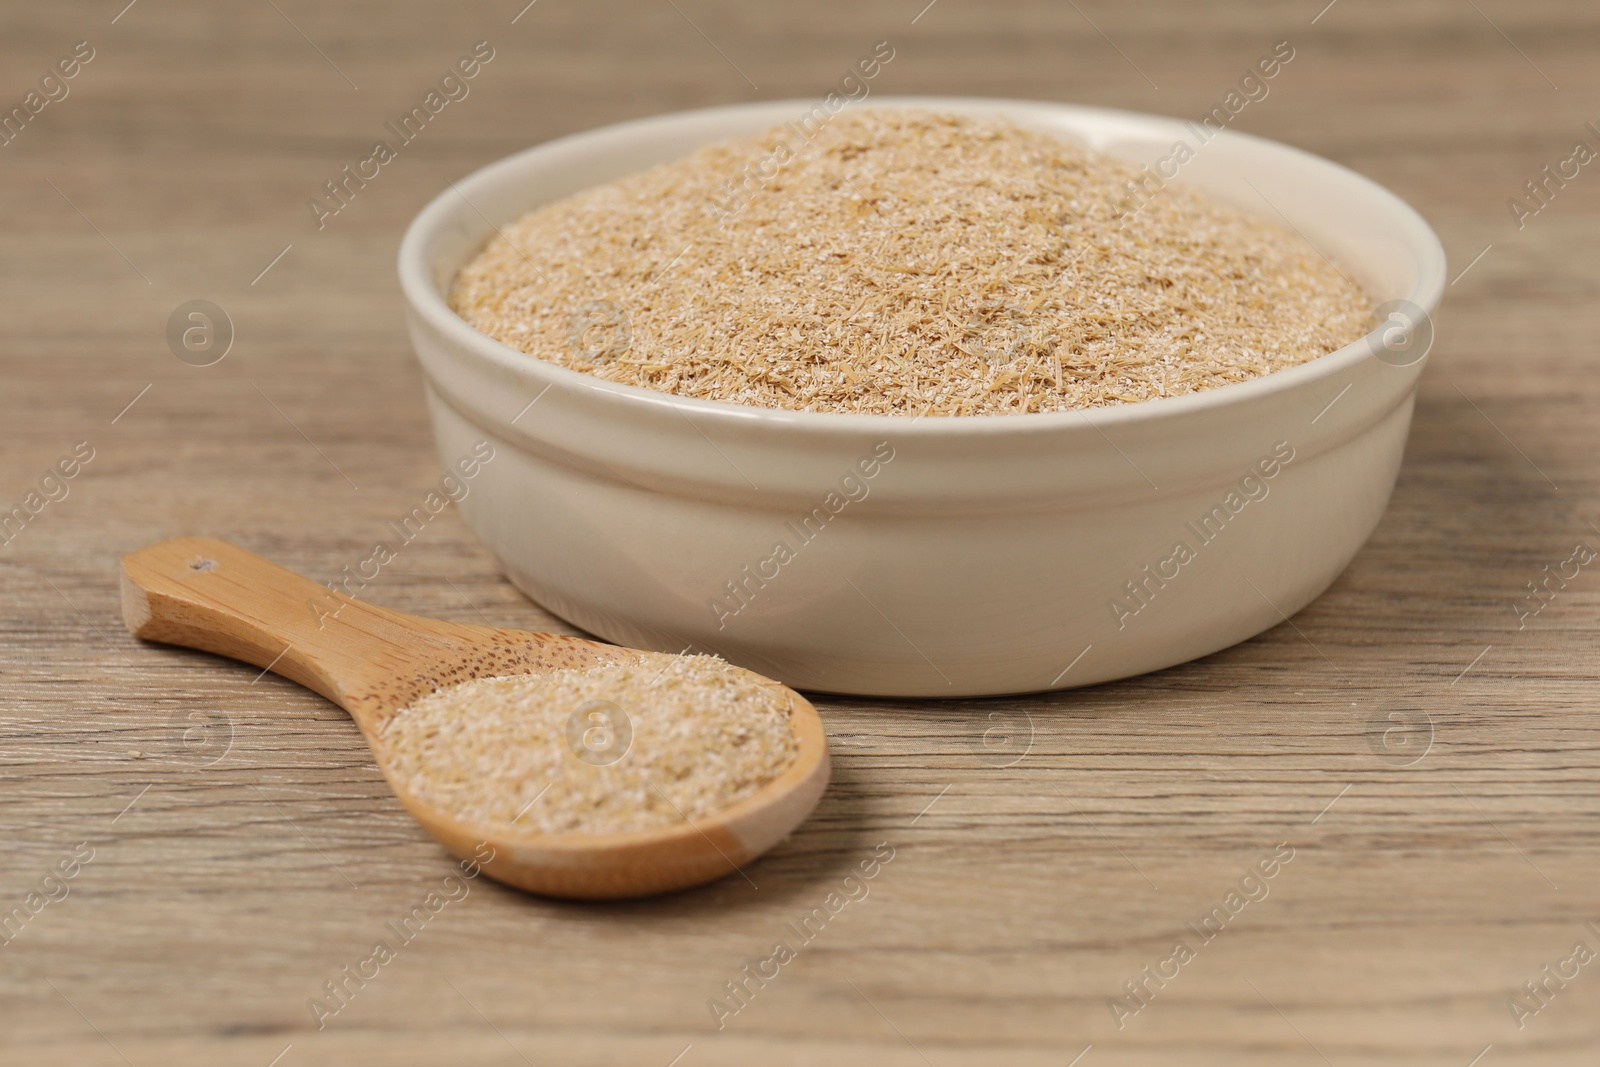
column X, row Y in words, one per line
column 210, row 595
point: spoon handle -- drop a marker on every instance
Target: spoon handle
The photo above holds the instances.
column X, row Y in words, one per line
column 208, row 594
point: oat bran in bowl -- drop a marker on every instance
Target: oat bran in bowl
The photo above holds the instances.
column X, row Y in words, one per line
column 904, row 262
column 1034, row 543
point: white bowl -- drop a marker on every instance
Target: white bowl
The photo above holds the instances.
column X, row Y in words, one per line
column 987, row 555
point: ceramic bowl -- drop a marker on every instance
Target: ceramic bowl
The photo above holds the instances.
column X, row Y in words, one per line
column 931, row 557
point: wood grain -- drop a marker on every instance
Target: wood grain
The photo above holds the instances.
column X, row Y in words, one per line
column 1045, row 850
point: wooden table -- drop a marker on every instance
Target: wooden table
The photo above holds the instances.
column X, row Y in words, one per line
column 1430, row 762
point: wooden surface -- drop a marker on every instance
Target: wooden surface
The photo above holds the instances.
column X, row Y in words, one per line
column 1044, row 850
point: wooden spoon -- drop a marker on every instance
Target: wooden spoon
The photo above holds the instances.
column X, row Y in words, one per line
column 208, row 594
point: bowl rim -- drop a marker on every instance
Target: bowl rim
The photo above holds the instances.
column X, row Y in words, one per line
column 428, row 302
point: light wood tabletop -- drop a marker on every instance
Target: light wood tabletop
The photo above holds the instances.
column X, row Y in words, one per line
column 1392, row 799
